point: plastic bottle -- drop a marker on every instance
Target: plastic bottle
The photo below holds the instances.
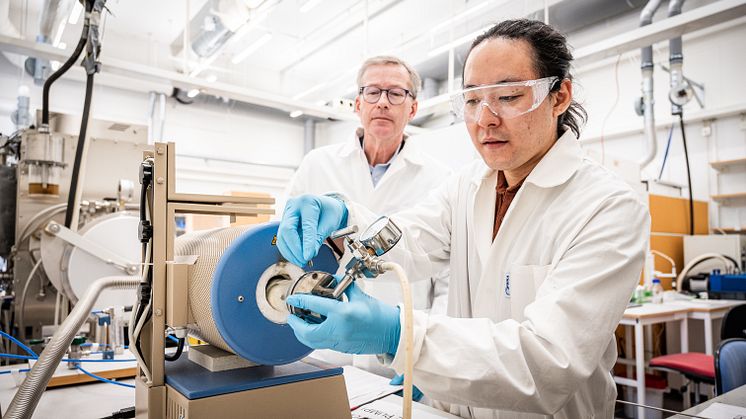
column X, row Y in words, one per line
column 639, row 295
column 657, row 291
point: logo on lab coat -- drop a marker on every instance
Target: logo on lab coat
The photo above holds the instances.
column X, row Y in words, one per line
column 507, row 285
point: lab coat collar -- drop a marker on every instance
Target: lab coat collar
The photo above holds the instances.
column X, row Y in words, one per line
column 554, row 169
column 409, row 152
column 559, row 164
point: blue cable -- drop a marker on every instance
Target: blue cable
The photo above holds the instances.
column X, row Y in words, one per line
column 35, row 356
column 173, row 338
column 14, row 356
column 20, row 344
column 20, row 370
column 105, row 380
column 665, row 155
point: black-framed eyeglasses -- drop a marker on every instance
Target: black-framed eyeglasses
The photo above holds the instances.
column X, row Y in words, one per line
column 395, row 95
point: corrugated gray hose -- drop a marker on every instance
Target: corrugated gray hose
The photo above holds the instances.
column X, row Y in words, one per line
column 28, row 395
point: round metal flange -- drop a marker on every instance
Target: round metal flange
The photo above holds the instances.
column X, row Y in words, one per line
column 272, row 289
column 314, row 282
column 247, row 329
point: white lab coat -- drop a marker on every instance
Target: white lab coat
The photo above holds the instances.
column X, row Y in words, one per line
column 413, row 174
column 343, row 168
column 531, row 316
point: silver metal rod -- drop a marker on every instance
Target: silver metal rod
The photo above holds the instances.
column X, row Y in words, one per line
column 342, row 286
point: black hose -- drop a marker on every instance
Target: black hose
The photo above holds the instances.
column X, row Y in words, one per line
column 79, row 152
column 688, row 176
column 66, row 66
column 177, row 354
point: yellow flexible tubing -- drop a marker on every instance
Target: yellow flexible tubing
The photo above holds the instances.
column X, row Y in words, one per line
column 407, row 335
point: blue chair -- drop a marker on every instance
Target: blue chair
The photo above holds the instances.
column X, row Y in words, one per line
column 730, row 365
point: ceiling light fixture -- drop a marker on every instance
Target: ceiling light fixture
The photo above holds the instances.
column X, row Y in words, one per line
column 251, row 48
column 296, row 113
column 58, row 34
column 458, row 42
column 310, row 4
column 192, row 93
column 458, row 17
column 75, row 13
column 211, row 78
column 203, row 64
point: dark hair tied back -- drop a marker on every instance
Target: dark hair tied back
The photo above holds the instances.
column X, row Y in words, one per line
column 552, row 57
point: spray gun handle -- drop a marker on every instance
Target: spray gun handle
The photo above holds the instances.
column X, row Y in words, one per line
column 344, row 232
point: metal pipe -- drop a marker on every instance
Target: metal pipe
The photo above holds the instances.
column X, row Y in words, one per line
column 648, row 114
column 646, row 17
column 161, row 115
column 309, row 136
column 151, row 112
column 676, row 56
column 28, row 395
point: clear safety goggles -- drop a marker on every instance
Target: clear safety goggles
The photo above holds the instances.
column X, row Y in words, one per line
column 505, row 100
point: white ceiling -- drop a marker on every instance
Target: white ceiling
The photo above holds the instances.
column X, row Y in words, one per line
column 312, row 56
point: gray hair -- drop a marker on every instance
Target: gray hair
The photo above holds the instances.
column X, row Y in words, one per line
column 414, row 78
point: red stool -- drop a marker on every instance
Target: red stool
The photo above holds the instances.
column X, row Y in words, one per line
column 695, row 366
column 699, row 367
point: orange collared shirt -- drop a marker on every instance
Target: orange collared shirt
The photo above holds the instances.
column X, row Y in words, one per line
column 505, row 196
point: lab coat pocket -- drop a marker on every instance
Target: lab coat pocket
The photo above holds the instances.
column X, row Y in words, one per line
column 523, row 281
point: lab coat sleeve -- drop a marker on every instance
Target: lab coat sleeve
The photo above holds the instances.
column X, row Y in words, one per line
column 424, row 249
column 536, row 365
column 440, row 293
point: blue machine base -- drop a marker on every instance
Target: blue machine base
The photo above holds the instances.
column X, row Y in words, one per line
column 195, row 382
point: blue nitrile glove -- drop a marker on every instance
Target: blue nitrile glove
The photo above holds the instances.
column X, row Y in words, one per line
column 306, row 222
column 360, row 325
column 399, row 380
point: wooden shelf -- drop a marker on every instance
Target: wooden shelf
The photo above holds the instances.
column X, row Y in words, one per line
column 722, row 164
column 79, row 378
column 731, row 230
column 723, row 198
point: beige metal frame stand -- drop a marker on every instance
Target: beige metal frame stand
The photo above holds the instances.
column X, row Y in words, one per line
column 322, row 398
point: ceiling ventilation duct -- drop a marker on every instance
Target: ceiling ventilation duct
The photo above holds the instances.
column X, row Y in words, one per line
column 214, row 25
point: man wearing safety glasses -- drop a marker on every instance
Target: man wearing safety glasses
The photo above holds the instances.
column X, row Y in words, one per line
column 544, row 246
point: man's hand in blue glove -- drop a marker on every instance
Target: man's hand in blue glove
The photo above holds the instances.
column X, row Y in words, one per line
column 399, row 380
column 306, row 222
column 361, row 325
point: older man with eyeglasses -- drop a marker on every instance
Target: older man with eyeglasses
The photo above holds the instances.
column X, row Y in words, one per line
column 381, row 168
